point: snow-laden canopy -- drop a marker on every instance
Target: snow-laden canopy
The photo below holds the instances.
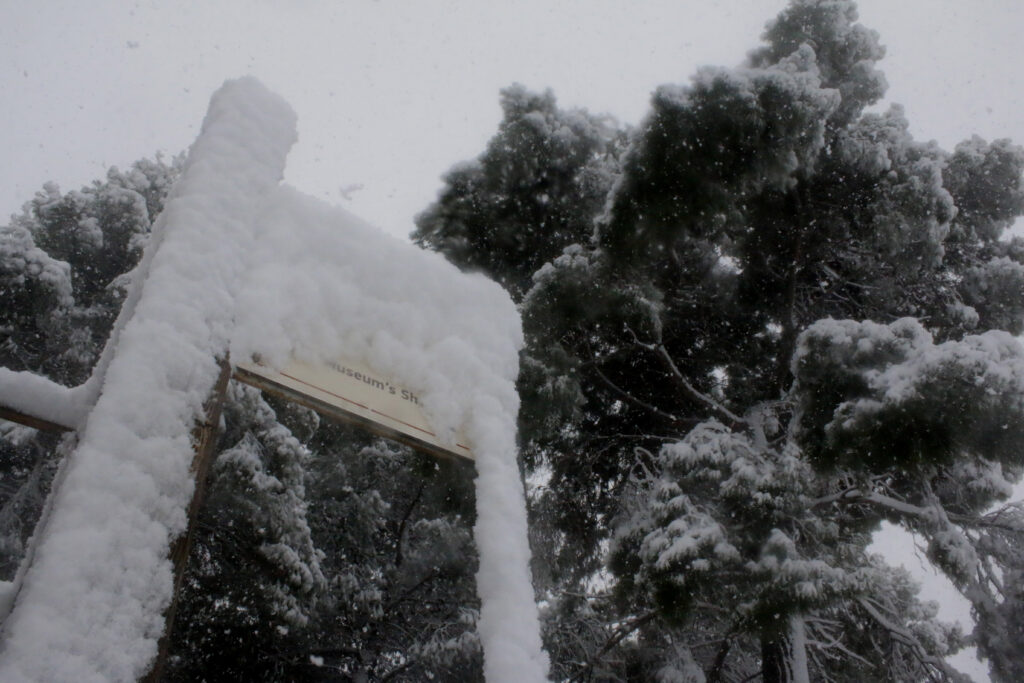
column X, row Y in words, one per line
column 240, row 265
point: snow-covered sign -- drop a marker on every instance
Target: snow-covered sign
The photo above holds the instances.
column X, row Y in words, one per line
column 231, row 254
column 349, row 391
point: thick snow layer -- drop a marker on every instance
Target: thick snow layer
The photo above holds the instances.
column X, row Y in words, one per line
column 37, row 396
column 238, row 262
column 323, row 284
column 91, row 605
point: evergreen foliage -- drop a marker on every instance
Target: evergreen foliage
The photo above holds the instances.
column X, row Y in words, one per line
column 792, row 323
column 534, row 190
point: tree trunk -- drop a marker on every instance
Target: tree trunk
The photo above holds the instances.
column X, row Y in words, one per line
column 790, row 322
column 784, row 653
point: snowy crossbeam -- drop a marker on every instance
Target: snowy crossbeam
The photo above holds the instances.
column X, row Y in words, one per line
column 37, row 402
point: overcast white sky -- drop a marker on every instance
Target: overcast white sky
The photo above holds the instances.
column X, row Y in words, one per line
column 391, row 93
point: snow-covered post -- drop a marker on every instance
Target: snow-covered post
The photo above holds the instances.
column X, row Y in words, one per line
column 204, row 440
column 230, row 259
column 92, row 605
column 37, row 402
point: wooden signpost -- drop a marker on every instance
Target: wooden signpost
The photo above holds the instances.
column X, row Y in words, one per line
column 349, row 391
column 345, row 389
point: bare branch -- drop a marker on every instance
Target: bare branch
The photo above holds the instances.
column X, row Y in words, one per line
column 617, row 636
column 732, row 419
column 674, row 419
column 855, row 495
column 907, row 638
column 400, row 535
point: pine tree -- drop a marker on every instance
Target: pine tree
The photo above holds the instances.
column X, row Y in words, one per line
column 255, row 577
column 396, row 530
column 792, row 323
column 533, row 191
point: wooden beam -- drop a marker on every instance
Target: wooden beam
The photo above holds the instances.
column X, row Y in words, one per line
column 32, row 421
column 204, row 441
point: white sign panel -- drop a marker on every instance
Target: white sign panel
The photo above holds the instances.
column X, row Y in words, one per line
column 352, row 392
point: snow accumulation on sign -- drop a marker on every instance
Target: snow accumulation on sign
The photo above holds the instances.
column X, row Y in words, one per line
column 351, row 392
column 232, row 252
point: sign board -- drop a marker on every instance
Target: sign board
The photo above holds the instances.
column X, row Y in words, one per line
column 351, row 392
